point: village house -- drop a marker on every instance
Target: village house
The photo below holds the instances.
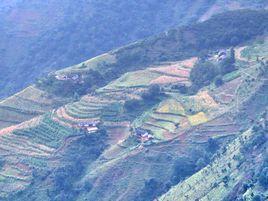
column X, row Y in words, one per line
column 75, row 77
column 143, row 135
column 222, row 55
column 89, row 126
column 61, row 77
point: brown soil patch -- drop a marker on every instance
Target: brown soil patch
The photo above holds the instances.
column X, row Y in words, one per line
column 164, row 79
column 23, row 125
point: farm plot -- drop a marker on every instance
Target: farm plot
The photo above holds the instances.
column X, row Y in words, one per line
column 92, row 64
column 219, row 127
column 256, row 50
column 47, row 132
column 198, row 118
column 177, row 72
column 174, row 69
column 11, row 116
column 226, row 93
column 140, row 78
column 26, row 148
column 164, row 120
column 87, row 108
column 201, row 102
column 24, row 105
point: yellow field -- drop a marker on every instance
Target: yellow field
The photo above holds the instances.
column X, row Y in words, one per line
column 198, row 118
column 171, row 106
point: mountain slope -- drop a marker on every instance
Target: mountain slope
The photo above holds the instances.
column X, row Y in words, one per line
column 53, row 157
column 38, row 37
column 178, row 44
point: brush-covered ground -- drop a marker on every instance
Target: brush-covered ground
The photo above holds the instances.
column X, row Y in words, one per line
column 209, row 140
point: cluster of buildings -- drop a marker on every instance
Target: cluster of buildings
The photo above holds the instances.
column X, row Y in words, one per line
column 221, row 55
column 75, row 78
column 143, row 135
column 89, row 126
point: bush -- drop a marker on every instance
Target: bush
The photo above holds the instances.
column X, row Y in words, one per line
column 218, row 81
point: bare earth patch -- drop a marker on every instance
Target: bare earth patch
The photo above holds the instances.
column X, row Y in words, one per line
column 168, row 79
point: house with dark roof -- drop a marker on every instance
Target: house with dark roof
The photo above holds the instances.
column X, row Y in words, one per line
column 143, row 134
column 89, row 126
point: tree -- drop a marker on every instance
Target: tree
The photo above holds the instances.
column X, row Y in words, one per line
column 232, row 55
column 228, row 64
column 218, row 81
column 153, row 92
column 257, row 198
column 212, row 145
column 203, row 73
column 132, row 104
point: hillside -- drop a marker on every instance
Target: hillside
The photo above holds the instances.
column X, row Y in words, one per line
column 38, row 37
column 157, row 118
column 171, row 46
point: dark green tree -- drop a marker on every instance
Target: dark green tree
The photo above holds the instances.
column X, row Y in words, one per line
column 203, row 73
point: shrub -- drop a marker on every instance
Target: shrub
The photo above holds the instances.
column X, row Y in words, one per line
column 218, row 81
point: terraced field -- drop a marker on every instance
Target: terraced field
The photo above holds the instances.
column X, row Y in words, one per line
column 25, row 105
column 257, row 50
column 176, row 72
column 27, row 148
column 91, row 64
column 179, row 123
